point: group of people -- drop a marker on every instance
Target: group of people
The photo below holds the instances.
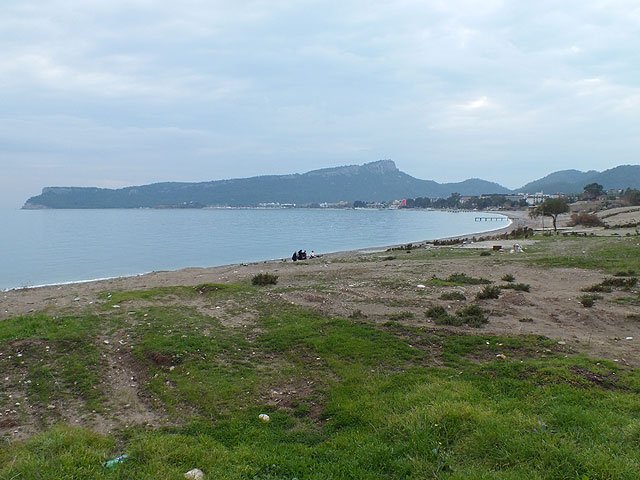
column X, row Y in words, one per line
column 302, row 255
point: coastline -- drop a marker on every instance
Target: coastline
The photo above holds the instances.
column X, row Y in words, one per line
column 511, row 216
column 379, row 284
column 73, row 294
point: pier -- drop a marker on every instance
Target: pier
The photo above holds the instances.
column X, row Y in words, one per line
column 490, row 219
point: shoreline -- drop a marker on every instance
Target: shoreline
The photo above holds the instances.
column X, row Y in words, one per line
column 381, row 285
column 509, row 215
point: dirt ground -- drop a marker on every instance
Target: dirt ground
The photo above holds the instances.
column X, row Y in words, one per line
column 387, row 285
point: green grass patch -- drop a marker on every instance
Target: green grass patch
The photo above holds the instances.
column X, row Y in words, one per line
column 51, row 359
column 370, row 402
column 610, row 254
column 159, row 293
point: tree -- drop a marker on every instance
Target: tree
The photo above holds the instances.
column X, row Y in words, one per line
column 632, row 196
column 551, row 207
column 593, row 191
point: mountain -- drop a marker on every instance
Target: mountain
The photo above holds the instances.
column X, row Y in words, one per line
column 376, row 181
column 574, row 181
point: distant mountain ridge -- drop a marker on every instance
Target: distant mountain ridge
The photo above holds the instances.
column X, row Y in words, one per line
column 573, row 181
column 375, row 181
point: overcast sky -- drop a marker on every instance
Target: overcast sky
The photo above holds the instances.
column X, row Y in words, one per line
column 123, row 92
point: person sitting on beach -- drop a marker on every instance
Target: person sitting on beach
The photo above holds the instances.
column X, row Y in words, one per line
column 313, row 254
column 301, row 255
column 294, row 257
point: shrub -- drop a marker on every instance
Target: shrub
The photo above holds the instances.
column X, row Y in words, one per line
column 485, row 253
column 598, row 288
column 508, row 278
column 452, row 296
column 440, row 316
column 490, row 291
column 473, row 315
column 620, row 282
column 588, row 301
column 436, row 311
column 522, row 287
column 264, row 279
column 585, row 219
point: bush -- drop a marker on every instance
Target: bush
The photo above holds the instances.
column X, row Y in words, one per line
column 585, row 219
column 508, row 278
column 485, row 253
column 436, row 311
column 490, row 291
column 264, row 279
column 620, row 282
column 598, row 288
column 452, row 296
column 440, row 316
column 588, row 301
column 522, row 287
column 473, row 315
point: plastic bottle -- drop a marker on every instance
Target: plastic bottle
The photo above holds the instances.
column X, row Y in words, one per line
column 115, row 461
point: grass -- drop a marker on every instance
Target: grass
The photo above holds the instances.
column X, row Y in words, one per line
column 371, row 401
column 399, row 316
column 609, row 254
column 158, row 293
column 458, row 279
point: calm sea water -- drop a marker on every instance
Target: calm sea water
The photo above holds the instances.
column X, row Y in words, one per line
column 53, row 246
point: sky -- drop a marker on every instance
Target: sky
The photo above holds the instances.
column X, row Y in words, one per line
column 128, row 92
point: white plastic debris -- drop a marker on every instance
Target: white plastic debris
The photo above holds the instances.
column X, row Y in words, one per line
column 194, row 474
column 421, row 286
column 629, row 338
column 264, row 418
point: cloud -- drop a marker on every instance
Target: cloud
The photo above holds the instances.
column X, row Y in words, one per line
column 241, row 88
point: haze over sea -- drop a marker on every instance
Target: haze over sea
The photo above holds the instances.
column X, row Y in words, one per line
column 55, row 246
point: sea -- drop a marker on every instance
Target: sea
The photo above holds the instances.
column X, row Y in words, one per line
column 45, row 247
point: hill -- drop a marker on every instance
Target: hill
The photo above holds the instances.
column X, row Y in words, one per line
column 376, row 181
column 573, row 181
